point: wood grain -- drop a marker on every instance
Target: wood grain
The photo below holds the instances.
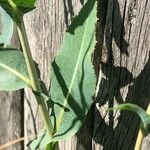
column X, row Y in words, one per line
column 122, row 52
column 11, row 124
column 125, row 74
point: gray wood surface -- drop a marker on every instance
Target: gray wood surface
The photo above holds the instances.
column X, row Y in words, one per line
column 11, row 125
column 122, row 52
column 125, row 65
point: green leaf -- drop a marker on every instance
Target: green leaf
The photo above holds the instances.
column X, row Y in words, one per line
column 145, row 118
column 73, row 78
column 7, row 28
column 13, row 71
column 25, row 5
column 16, row 8
column 43, row 140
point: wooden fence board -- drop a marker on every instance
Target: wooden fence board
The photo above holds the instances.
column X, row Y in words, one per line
column 125, row 73
column 123, row 50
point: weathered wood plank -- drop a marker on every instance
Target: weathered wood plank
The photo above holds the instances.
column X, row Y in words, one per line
column 11, row 119
column 125, row 74
column 124, row 49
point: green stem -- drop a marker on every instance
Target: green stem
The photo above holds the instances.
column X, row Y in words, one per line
column 141, row 135
column 33, row 74
column 139, row 140
column 52, row 146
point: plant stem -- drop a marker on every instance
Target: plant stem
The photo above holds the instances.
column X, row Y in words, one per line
column 140, row 137
column 139, row 140
column 33, row 74
column 52, row 146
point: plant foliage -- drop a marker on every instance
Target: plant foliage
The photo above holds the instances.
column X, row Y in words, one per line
column 16, row 8
column 73, row 79
column 145, row 118
column 13, row 71
column 7, row 28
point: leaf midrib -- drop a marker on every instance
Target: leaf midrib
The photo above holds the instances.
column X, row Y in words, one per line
column 60, row 116
column 16, row 73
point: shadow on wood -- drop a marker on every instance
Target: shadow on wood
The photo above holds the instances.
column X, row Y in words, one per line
column 114, row 131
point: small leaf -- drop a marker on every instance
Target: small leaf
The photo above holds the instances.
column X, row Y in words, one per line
column 41, row 137
column 25, row 5
column 73, row 78
column 145, row 118
column 13, row 71
column 16, row 8
column 7, row 28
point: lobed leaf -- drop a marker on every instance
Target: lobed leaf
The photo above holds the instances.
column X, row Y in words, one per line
column 13, row 71
column 7, row 28
column 73, row 78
